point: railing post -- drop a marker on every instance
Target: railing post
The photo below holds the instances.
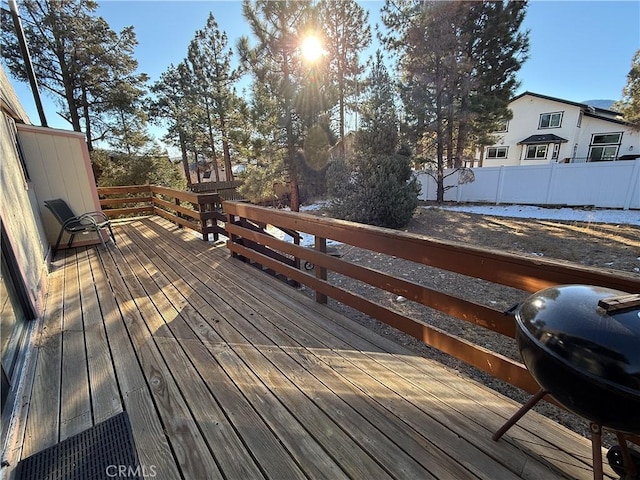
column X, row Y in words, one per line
column 232, row 237
column 177, row 202
column 320, row 244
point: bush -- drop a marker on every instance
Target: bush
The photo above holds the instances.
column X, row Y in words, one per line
column 113, row 171
column 377, row 190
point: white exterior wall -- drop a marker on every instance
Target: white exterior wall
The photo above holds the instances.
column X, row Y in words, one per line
column 59, row 165
column 630, row 143
column 526, row 118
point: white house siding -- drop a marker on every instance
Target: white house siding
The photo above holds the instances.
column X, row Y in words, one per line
column 526, row 111
column 630, row 143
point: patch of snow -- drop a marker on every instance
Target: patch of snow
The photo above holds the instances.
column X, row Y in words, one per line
column 314, row 206
column 306, row 240
column 626, row 217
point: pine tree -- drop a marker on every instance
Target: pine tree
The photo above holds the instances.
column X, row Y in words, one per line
column 376, row 186
column 458, row 62
column 78, row 59
column 276, row 62
column 174, row 104
column 378, row 132
column 629, row 106
column 347, row 34
column 210, row 60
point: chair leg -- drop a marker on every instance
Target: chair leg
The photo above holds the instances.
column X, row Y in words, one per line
column 55, row 249
column 73, row 235
column 99, row 233
column 112, row 235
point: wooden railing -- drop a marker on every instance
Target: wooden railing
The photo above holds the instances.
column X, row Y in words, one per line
column 199, row 212
column 526, row 274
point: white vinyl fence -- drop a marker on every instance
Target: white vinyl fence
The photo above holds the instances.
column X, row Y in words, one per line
column 598, row 184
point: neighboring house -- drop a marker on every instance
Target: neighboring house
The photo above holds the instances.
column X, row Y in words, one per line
column 349, row 142
column 551, row 130
column 36, row 164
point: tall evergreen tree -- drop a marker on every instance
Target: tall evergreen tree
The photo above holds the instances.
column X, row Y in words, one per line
column 174, row 104
column 629, row 106
column 498, row 48
column 376, row 185
column 458, row 62
column 276, row 62
column 378, row 132
column 127, row 124
column 347, row 33
column 210, row 60
column 78, row 59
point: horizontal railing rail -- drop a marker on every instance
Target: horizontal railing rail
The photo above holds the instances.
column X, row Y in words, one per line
column 525, row 274
column 226, row 190
column 199, row 212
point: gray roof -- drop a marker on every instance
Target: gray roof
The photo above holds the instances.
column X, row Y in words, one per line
column 540, row 139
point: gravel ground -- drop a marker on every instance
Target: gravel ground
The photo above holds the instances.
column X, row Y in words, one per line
column 603, row 245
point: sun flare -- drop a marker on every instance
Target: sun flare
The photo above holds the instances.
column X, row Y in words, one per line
column 312, row 48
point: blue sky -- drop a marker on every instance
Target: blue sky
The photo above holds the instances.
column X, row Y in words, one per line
column 579, row 50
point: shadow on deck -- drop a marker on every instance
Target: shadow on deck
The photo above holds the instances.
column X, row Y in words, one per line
column 228, row 373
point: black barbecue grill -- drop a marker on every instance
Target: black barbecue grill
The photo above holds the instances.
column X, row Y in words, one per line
column 581, row 343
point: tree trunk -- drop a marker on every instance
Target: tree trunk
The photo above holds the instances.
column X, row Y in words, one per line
column 440, row 138
column 185, row 160
column 87, row 121
column 341, row 94
column 68, row 92
column 291, row 147
column 211, row 140
column 195, row 155
column 226, row 153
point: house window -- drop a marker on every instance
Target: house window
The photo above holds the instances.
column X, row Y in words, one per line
column 536, row 152
column 604, row 146
column 11, row 125
column 550, row 120
column 502, row 126
column 556, row 151
column 497, row 152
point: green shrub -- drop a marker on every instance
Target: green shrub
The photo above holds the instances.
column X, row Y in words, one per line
column 373, row 189
column 113, row 171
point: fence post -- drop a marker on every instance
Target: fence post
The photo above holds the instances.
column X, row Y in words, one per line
column 634, row 181
column 177, row 202
column 550, row 183
column 500, row 185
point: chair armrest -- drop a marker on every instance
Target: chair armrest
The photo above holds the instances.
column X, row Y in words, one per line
column 94, row 216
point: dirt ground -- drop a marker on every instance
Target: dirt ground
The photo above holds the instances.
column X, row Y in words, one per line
column 608, row 246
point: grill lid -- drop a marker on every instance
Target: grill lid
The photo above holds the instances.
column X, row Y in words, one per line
column 567, row 323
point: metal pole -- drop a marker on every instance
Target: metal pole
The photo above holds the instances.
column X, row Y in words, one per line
column 13, row 7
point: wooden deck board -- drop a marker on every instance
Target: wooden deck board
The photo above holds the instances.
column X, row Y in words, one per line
column 227, row 373
column 469, row 454
column 105, row 397
column 577, row 463
column 42, row 426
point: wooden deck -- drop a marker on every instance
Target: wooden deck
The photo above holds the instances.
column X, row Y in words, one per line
column 227, row 373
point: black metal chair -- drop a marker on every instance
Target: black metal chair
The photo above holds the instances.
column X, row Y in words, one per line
column 74, row 224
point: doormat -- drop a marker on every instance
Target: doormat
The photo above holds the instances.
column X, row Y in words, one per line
column 106, row 450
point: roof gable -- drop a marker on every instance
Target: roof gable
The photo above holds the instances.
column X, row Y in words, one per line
column 600, row 113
